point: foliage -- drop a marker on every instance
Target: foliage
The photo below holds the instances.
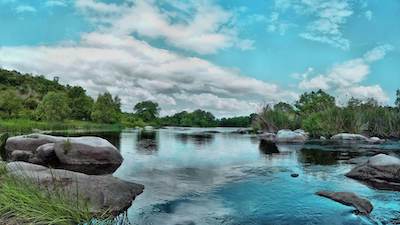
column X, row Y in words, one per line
column 10, row 103
column 147, row 110
column 365, row 117
column 314, row 102
column 197, row 118
column 397, row 102
column 54, row 107
column 106, row 109
column 80, row 104
column 239, row 121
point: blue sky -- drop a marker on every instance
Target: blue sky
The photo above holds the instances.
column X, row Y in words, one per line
column 229, row 57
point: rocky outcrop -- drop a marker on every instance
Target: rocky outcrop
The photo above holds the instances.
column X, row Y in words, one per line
column 243, row 131
column 362, row 205
column 268, row 137
column 380, row 171
column 356, row 138
column 87, row 154
column 91, row 155
column 103, row 193
column 288, row 136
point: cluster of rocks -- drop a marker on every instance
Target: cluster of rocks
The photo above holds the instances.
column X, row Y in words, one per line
column 380, row 171
column 83, row 167
column 300, row 136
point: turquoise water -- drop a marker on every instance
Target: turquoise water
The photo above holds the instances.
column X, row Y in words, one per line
column 224, row 178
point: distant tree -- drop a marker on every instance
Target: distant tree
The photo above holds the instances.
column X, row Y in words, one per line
column 284, row 107
column 147, row 110
column 10, row 103
column 54, row 107
column 105, row 109
column 80, row 104
column 397, row 102
column 314, row 102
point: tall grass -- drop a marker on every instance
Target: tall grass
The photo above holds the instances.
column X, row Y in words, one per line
column 22, row 201
column 26, row 125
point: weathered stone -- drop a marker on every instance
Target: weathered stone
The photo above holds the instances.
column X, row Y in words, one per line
column 288, row 136
column 362, row 205
column 91, row 155
column 19, row 155
column 346, row 137
column 29, row 142
column 46, row 153
column 101, row 192
column 269, row 137
column 380, row 171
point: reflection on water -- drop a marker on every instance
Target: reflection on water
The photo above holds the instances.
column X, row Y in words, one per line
column 202, row 176
column 147, row 141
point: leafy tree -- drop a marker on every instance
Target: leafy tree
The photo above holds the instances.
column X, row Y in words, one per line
column 81, row 105
column 54, row 107
column 106, row 109
column 10, row 103
column 147, row 110
column 314, row 102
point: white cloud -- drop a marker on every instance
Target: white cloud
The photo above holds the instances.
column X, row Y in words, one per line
column 53, row 3
column 368, row 14
column 327, row 19
column 345, row 78
column 198, row 26
column 137, row 71
column 25, row 8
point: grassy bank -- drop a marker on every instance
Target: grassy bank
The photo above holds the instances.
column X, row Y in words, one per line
column 24, row 202
column 26, row 126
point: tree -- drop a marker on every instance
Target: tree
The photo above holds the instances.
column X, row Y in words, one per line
column 10, row 103
column 106, row 109
column 315, row 102
column 398, row 98
column 81, row 105
column 147, row 110
column 54, row 107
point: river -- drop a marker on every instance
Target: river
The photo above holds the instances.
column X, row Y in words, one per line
column 196, row 178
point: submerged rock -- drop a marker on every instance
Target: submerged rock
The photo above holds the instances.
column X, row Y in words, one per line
column 91, row 155
column 380, row 171
column 362, row 205
column 354, row 138
column 288, row 136
column 103, row 193
column 243, row 131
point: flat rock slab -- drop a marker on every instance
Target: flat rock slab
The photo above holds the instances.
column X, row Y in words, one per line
column 102, row 192
column 380, row 171
column 362, row 205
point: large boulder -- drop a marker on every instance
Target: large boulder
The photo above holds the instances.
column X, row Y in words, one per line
column 288, row 136
column 103, row 193
column 29, row 142
column 380, row 171
column 362, row 205
column 91, row 155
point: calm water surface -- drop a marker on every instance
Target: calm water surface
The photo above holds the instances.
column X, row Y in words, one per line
column 224, row 178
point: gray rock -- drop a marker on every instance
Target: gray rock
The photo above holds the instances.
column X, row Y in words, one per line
column 346, row 137
column 91, row 155
column 380, row 171
column 19, row 155
column 101, row 192
column 362, row 205
column 375, row 140
column 243, row 131
column 46, row 153
column 288, row 136
column 268, row 137
column 29, row 142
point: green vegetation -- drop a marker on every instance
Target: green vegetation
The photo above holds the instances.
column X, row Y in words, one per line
column 147, row 110
column 317, row 113
column 106, row 109
column 53, row 107
column 24, row 202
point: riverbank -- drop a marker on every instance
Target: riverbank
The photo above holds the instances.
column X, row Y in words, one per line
column 18, row 126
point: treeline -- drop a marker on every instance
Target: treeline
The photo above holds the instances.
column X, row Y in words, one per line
column 317, row 113
column 23, row 96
